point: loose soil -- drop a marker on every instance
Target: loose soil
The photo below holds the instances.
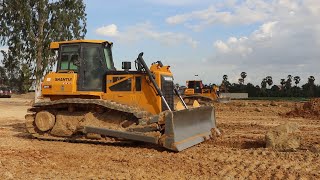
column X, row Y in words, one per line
column 308, row 110
column 239, row 153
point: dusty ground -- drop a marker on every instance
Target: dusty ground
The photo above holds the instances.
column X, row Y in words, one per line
column 238, row 154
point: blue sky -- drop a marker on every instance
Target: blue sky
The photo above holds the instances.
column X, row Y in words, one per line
column 213, row 37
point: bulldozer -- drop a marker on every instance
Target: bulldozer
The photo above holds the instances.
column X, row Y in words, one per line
column 203, row 94
column 88, row 100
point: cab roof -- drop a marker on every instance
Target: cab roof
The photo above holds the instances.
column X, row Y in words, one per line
column 55, row 45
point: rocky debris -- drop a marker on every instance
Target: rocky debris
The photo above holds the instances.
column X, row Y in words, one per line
column 273, row 103
column 242, row 104
column 284, row 137
column 315, row 148
column 286, row 105
column 309, row 110
column 258, row 109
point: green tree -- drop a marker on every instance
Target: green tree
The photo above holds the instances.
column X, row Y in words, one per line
column 264, row 83
column 28, row 27
column 296, row 80
column 25, row 80
column 312, row 87
column 11, row 66
column 225, row 84
column 309, row 88
column 243, row 76
column 282, row 82
column 311, row 80
column 3, row 76
column 241, row 81
column 269, row 80
column 288, row 82
column 274, row 90
column 225, row 78
column 252, row 90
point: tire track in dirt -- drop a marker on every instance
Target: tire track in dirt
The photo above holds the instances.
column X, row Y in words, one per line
column 237, row 154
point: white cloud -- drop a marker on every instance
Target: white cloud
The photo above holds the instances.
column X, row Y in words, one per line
column 232, row 40
column 177, row 2
column 287, row 42
column 265, row 31
column 221, row 46
column 109, row 30
column 233, row 46
column 145, row 31
column 313, row 6
column 228, row 12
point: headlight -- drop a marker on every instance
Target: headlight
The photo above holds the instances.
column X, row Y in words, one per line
column 46, row 86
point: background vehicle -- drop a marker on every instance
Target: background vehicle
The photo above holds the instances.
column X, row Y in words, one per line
column 92, row 101
column 204, row 94
column 5, row 92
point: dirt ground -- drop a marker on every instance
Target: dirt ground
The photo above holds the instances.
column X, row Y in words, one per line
column 238, row 154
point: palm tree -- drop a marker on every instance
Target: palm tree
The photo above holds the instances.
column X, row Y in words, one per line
column 282, row 82
column 264, row 83
column 296, row 80
column 311, row 80
column 288, row 82
column 269, row 80
column 243, row 76
column 241, row 81
column 225, row 78
column 310, row 87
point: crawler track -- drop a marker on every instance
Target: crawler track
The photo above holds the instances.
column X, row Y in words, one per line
column 87, row 105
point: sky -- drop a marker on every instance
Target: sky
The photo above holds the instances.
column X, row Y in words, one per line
column 211, row 38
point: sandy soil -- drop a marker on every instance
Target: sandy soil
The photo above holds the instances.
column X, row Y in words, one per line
column 238, row 154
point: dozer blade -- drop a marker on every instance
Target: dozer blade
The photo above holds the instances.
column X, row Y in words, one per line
column 183, row 129
column 188, row 127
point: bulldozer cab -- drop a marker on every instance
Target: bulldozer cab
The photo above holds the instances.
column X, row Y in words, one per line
column 195, row 85
column 89, row 59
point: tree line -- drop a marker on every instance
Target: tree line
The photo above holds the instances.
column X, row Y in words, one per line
column 27, row 27
column 287, row 87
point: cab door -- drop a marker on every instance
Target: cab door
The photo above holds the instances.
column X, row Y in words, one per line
column 92, row 69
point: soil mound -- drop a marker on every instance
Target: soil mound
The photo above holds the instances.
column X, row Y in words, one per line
column 284, row 137
column 309, row 110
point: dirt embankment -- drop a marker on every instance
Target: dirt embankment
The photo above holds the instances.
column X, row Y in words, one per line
column 308, row 110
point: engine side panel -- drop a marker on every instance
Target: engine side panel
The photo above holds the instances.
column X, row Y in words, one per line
column 127, row 88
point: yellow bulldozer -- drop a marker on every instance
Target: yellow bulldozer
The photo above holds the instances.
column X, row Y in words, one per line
column 203, row 94
column 89, row 100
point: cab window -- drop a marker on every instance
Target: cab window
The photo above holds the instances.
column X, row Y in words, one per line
column 69, row 57
column 108, row 57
